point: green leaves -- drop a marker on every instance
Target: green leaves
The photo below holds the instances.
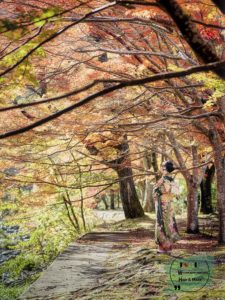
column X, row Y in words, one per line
column 9, row 26
column 214, row 83
column 46, row 16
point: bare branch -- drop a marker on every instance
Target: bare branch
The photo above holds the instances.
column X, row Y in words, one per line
column 131, row 52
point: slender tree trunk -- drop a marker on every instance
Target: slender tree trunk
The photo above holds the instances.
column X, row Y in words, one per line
column 148, row 196
column 112, row 198
column 206, row 193
column 192, row 197
column 155, row 165
column 192, row 185
column 70, row 204
column 220, row 184
column 74, row 221
column 217, row 142
column 192, row 208
column 104, row 200
column 131, row 204
column 141, row 189
column 221, row 104
column 216, row 138
column 118, row 199
column 148, row 187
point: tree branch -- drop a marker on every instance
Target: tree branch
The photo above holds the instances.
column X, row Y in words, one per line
column 131, row 52
column 121, row 84
column 202, row 49
column 56, row 34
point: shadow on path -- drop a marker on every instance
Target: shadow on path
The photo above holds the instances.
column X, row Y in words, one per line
column 84, row 265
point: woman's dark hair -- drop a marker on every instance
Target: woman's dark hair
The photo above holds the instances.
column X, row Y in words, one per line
column 169, row 166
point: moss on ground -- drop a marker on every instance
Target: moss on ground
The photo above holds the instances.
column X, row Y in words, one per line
column 137, row 272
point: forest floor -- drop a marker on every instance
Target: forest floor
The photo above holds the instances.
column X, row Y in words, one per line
column 119, row 261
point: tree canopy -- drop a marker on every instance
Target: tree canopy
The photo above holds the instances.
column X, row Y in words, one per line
column 96, row 87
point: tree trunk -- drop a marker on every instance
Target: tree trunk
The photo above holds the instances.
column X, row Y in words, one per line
column 206, row 194
column 148, row 160
column 122, row 165
column 155, row 165
column 112, row 198
column 203, row 50
column 104, row 199
column 131, row 205
column 217, row 141
column 118, row 199
column 148, row 196
column 128, row 194
column 192, row 197
column 220, row 184
column 192, row 208
column 141, row 189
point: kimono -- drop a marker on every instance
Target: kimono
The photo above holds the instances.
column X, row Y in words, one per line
column 166, row 231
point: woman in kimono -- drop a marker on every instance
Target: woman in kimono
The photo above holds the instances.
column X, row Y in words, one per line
column 165, row 190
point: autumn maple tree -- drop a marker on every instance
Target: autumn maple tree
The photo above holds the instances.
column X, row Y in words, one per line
column 117, row 79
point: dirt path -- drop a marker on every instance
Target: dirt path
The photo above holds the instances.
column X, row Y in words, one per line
column 119, row 261
column 81, row 265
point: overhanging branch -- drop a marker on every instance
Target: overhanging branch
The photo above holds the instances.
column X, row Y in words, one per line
column 120, row 84
column 56, row 34
column 203, row 50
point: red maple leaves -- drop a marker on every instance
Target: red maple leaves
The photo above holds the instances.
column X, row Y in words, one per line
column 211, row 34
